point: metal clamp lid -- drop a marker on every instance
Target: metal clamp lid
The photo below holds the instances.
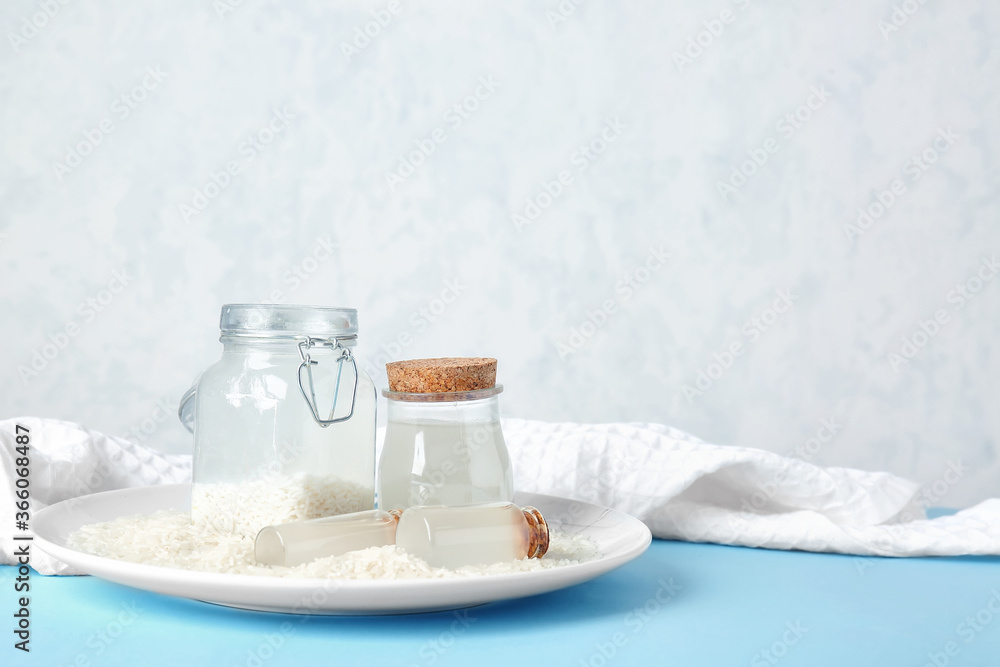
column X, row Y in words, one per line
column 186, row 409
column 307, row 364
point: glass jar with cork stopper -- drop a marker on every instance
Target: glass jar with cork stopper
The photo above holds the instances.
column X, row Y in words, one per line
column 443, row 442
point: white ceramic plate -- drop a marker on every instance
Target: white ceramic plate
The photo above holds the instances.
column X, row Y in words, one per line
column 619, row 537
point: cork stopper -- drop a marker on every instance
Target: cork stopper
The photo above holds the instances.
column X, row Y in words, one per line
column 426, row 376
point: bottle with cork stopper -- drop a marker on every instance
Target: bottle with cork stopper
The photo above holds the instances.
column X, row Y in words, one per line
column 443, row 443
column 442, row 536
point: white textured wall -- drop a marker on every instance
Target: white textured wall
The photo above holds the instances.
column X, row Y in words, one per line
column 667, row 121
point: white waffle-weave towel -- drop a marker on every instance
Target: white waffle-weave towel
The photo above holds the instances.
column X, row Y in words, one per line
column 680, row 487
column 686, row 489
column 67, row 460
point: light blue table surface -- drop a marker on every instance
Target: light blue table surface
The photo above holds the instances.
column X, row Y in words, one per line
column 677, row 604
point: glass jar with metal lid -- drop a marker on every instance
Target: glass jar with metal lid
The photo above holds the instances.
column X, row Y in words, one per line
column 284, row 422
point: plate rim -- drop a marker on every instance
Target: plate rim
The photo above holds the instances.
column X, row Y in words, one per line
column 237, row 583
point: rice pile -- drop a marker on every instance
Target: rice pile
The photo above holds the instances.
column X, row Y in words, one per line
column 249, row 506
column 173, row 539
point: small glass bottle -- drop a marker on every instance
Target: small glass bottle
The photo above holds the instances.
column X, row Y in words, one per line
column 301, row 542
column 473, row 535
column 443, row 442
column 442, row 536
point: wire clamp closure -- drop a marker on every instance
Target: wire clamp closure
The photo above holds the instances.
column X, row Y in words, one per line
column 308, row 362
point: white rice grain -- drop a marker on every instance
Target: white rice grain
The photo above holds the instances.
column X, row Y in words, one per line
column 247, row 507
column 173, row 539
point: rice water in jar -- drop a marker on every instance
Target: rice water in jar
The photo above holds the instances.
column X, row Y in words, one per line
column 443, row 443
column 284, row 422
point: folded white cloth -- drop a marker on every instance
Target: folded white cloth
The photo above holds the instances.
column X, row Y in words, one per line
column 67, row 460
column 681, row 487
column 685, row 489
